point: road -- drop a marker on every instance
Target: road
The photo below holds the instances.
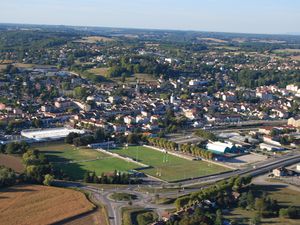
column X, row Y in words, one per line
column 254, row 170
column 145, row 200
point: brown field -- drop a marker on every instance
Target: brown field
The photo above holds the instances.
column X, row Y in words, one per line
column 94, row 39
column 212, row 40
column 296, row 57
column 28, row 65
column 97, row 217
column 99, row 71
column 2, row 66
column 6, row 61
column 228, row 48
column 12, row 162
column 38, row 205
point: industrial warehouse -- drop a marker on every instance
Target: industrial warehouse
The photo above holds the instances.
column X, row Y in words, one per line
column 51, row 134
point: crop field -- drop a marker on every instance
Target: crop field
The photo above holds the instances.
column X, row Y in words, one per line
column 169, row 167
column 98, row 217
column 2, row 66
column 76, row 161
column 297, row 58
column 13, row 162
column 35, row 204
column 94, row 39
column 99, row 71
column 212, row 40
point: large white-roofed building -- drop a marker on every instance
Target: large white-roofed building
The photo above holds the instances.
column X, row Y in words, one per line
column 49, row 134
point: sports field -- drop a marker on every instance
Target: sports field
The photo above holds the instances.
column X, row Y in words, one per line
column 75, row 161
column 169, row 167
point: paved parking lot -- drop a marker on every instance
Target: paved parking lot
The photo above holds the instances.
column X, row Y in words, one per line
column 245, row 160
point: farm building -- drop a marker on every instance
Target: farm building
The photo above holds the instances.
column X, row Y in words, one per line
column 220, row 147
column 49, row 134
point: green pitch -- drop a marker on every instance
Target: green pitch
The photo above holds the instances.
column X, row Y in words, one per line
column 75, row 161
column 169, row 167
column 83, row 159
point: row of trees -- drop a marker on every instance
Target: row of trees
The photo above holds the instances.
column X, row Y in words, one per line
column 115, row 178
column 14, row 148
column 81, row 140
column 187, row 148
column 196, row 151
column 163, row 143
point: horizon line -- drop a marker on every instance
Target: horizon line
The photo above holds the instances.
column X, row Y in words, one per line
column 154, row 29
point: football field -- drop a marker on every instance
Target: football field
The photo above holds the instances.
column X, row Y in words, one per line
column 75, row 161
column 168, row 167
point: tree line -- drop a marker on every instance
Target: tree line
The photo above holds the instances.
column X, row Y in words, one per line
column 186, row 148
column 115, row 178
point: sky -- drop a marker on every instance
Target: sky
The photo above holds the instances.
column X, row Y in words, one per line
column 242, row 16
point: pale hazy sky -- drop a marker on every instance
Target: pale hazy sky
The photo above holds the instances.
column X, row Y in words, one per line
column 249, row 16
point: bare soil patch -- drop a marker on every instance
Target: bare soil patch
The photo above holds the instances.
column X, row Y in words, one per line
column 12, row 162
column 94, row 39
column 212, row 40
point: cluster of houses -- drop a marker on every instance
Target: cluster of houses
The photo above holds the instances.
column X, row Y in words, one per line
column 141, row 108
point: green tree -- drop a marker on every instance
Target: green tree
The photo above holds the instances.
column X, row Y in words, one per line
column 250, row 200
column 256, row 219
column 80, row 92
column 146, row 218
column 7, row 177
column 48, row 180
column 219, row 217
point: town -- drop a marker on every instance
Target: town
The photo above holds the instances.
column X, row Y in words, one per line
column 147, row 119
